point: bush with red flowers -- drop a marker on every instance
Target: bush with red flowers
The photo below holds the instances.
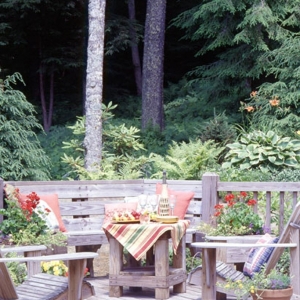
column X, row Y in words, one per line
column 24, row 224
column 236, row 217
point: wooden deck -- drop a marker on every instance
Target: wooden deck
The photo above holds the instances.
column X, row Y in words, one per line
column 101, row 289
column 193, row 292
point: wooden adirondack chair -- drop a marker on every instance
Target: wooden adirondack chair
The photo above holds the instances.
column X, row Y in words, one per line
column 45, row 286
column 290, row 237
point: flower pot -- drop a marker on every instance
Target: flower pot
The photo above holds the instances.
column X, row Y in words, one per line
column 284, row 294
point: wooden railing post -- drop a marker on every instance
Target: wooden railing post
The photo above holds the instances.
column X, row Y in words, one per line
column 209, row 195
column 1, row 197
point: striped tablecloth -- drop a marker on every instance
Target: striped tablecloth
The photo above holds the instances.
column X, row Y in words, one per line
column 137, row 239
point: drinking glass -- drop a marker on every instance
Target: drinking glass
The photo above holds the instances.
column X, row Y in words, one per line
column 153, row 201
column 172, row 201
column 142, row 201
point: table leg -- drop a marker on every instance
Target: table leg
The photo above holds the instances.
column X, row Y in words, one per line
column 115, row 266
column 179, row 261
column 209, row 276
column 162, row 266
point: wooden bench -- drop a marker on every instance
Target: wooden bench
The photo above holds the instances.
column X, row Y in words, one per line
column 82, row 205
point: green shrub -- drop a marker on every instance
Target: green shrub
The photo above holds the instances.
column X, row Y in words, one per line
column 121, row 153
column 186, row 160
column 266, row 151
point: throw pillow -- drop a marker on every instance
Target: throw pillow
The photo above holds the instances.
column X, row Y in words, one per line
column 182, row 202
column 119, row 207
column 50, row 217
column 259, row 256
column 52, row 201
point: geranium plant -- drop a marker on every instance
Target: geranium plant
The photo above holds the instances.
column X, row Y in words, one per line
column 235, row 217
column 257, row 285
column 25, row 224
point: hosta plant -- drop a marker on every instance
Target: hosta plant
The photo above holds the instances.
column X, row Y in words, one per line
column 266, row 151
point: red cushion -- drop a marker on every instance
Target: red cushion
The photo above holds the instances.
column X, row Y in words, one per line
column 52, row 201
column 182, row 202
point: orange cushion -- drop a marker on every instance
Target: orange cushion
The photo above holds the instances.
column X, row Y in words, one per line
column 119, row 207
column 182, row 202
column 53, row 203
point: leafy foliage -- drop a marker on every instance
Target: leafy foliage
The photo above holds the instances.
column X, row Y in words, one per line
column 17, row 270
column 266, row 151
column 218, row 130
column 24, row 224
column 186, row 160
column 52, row 143
column 236, row 217
column 21, row 154
column 121, row 147
column 276, row 103
column 236, row 43
column 275, row 280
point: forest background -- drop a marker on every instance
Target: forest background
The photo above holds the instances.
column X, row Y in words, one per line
column 230, row 99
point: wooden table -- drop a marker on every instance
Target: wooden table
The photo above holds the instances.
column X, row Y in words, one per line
column 209, row 254
column 143, row 241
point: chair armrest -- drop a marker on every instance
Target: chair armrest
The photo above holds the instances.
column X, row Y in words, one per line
column 67, row 257
column 211, row 245
column 23, row 248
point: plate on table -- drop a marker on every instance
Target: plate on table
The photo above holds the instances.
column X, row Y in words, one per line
column 125, row 221
column 167, row 219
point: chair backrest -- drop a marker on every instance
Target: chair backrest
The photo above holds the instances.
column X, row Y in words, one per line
column 7, row 288
column 285, row 237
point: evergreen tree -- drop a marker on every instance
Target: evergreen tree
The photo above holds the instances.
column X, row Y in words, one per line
column 21, row 155
column 233, row 36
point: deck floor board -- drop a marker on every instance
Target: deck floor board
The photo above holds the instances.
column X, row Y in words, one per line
column 193, row 292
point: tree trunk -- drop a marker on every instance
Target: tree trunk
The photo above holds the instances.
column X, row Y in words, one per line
column 152, row 98
column 94, row 85
column 134, row 49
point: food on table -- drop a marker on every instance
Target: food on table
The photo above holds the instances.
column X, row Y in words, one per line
column 126, row 216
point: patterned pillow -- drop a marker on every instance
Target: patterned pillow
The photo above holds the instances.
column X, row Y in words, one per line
column 259, row 256
column 52, row 201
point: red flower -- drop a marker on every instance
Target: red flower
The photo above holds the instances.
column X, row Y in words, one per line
column 219, row 206
column 30, row 204
column 231, row 203
column 251, row 202
column 243, row 194
column 217, row 213
column 229, row 197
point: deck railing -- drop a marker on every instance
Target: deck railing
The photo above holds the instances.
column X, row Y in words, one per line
column 286, row 194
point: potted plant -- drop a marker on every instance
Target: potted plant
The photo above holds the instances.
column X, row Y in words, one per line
column 235, row 217
column 25, row 223
column 273, row 286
